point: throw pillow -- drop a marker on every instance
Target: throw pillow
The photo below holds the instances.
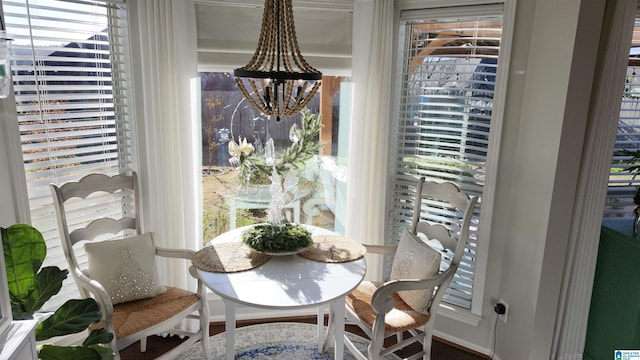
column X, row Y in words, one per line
column 415, row 260
column 125, row 268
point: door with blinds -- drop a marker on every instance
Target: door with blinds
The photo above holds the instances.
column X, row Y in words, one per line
column 70, row 75
column 447, row 84
column 623, row 183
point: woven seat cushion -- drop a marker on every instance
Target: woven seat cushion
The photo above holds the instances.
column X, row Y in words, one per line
column 399, row 319
column 133, row 316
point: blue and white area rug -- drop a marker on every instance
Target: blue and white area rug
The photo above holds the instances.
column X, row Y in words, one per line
column 282, row 341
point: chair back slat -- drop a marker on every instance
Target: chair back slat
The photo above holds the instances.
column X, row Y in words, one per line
column 445, row 191
column 437, row 232
column 102, row 226
column 96, row 183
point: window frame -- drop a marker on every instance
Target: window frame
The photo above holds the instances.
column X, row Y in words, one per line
column 473, row 315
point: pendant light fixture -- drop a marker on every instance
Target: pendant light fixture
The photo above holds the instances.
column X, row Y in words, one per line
column 277, row 80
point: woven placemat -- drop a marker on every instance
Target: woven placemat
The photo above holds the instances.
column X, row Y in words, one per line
column 334, row 249
column 228, row 257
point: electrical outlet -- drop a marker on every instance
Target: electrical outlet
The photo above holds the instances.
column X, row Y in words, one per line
column 506, row 310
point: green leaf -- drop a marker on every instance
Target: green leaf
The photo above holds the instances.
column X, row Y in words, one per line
column 72, row 317
column 48, row 283
column 105, row 353
column 24, row 251
column 98, row 336
column 53, row 352
column 18, row 310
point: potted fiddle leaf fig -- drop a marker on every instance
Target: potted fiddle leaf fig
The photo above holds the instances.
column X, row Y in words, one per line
column 31, row 286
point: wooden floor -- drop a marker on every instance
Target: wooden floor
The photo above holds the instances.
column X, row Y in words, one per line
column 157, row 345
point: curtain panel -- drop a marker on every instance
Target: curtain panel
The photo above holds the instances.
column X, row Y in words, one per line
column 163, row 36
column 369, row 141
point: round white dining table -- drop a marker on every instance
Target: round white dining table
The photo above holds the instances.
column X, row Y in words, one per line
column 288, row 282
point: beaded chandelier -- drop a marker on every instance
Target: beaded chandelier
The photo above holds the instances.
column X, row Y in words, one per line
column 277, row 80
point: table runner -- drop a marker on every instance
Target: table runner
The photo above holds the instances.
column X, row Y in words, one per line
column 334, row 249
column 228, row 257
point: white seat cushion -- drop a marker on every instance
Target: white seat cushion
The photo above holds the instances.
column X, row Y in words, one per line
column 415, row 260
column 125, row 268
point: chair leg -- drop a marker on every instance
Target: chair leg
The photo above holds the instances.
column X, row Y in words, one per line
column 426, row 343
column 377, row 339
column 204, row 330
column 374, row 350
column 143, row 344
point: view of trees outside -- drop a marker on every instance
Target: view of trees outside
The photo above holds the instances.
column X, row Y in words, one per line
column 229, row 201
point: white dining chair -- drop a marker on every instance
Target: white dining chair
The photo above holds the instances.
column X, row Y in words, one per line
column 120, row 273
column 425, row 261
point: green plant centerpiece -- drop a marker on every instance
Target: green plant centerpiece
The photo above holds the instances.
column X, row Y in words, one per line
column 288, row 238
column 31, row 285
column 278, row 236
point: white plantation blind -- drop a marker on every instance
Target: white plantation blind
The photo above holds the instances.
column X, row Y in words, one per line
column 622, row 184
column 70, row 71
column 449, row 64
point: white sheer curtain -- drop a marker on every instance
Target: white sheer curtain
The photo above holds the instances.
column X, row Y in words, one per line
column 164, row 60
column 369, row 140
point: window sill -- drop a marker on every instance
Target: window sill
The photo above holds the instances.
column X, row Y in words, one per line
column 459, row 314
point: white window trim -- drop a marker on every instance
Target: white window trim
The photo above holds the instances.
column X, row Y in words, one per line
column 13, row 148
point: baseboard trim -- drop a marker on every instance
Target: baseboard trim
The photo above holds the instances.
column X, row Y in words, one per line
column 464, row 345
